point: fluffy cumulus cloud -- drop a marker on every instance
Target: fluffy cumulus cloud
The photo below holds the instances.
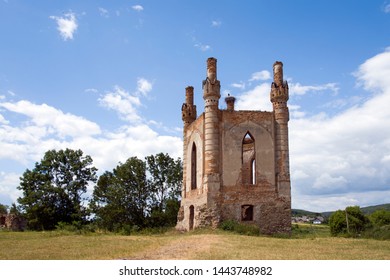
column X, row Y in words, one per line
column 8, row 191
column 344, row 159
column 66, row 25
column 125, row 103
column 137, row 8
column 298, row 89
column 256, row 98
column 261, row 76
column 144, row 86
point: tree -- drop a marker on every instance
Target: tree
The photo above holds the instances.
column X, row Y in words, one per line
column 3, row 209
column 350, row 221
column 121, row 197
column 380, row 218
column 166, row 177
column 53, row 190
column 139, row 193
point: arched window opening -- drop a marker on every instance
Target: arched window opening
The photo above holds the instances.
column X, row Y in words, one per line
column 248, row 160
column 193, row 167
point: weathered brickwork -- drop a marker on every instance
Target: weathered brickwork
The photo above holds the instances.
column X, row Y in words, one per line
column 236, row 163
column 12, row 222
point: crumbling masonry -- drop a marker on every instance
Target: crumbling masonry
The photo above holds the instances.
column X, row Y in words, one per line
column 236, row 163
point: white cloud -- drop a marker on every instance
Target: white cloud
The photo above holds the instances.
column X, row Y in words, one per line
column 216, row 23
column 3, row 120
column 137, row 8
column 255, row 99
column 375, row 72
column 104, row 12
column 260, row 76
column 8, row 181
column 54, row 120
column 91, row 90
column 123, row 103
column 202, row 47
column 298, row 89
column 144, row 86
column 66, row 25
column 345, row 156
column 240, row 85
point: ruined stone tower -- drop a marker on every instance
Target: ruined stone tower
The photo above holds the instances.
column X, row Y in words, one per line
column 236, row 163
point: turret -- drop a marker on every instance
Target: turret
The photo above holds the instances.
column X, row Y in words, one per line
column 188, row 110
column 211, row 95
column 279, row 87
column 279, row 97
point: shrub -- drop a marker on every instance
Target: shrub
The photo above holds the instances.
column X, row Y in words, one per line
column 380, row 233
column 244, row 229
column 380, row 218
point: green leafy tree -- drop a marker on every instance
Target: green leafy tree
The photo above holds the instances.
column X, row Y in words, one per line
column 380, row 218
column 350, row 221
column 53, row 190
column 139, row 193
column 15, row 210
column 121, row 197
column 166, row 175
column 3, row 209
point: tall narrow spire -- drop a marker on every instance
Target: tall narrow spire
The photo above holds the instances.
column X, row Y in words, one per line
column 211, row 96
column 279, row 97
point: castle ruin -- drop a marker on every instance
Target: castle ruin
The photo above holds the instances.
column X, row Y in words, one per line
column 236, row 163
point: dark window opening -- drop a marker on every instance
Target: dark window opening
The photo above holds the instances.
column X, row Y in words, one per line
column 247, row 213
column 191, row 218
column 193, row 167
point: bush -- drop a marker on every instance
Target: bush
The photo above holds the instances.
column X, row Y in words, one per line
column 76, row 227
column 380, row 233
column 244, row 229
column 380, row 218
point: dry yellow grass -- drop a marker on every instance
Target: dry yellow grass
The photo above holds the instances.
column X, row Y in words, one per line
column 204, row 245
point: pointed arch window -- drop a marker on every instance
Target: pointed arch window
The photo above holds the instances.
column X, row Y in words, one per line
column 248, row 160
column 193, row 167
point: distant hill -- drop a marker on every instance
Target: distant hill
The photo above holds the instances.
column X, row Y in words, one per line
column 300, row 212
column 371, row 209
column 366, row 210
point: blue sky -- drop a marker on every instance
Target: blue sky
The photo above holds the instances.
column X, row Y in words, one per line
column 109, row 77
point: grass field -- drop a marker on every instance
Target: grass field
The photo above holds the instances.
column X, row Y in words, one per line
column 306, row 243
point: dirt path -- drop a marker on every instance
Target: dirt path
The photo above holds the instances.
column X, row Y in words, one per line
column 181, row 249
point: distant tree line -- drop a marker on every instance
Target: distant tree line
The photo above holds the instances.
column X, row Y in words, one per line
column 136, row 194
